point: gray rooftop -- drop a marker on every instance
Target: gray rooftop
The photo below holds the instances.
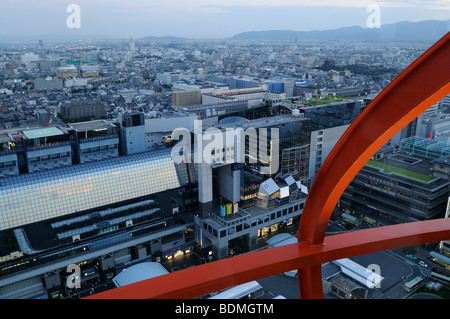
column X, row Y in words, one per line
column 43, row 132
column 445, row 160
column 266, row 122
column 91, row 125
column 4, row 138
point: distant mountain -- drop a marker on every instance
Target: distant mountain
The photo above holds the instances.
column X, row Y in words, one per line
column 166, row 38
column 75, row 36
column 423, row 31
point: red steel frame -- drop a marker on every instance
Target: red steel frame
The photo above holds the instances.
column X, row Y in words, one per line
column 423, row 83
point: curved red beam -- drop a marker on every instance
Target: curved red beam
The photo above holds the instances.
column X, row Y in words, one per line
column 419, row 86
column 422, row 84
column 203, row 279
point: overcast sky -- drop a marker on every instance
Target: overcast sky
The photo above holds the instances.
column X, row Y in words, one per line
column 204, row 18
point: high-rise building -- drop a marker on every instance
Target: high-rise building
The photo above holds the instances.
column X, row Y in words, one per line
column 321, row 143
column 396, row 189
column 240, row 200
column 48, row 65
column 132, row 132
column 132, row 45
column 82, row 110
column 96, row 140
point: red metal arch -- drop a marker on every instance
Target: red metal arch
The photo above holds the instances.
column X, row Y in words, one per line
column 419, row 86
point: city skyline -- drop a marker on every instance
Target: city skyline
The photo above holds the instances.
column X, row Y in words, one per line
column 203, row 19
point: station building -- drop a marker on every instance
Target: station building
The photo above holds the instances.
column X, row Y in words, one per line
column 91, row 194
column 396, row 189
column 99, row 215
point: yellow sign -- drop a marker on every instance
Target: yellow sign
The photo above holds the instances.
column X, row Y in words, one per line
column 11, row 145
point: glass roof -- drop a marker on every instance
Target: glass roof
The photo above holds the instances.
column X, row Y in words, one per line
column 34, row 197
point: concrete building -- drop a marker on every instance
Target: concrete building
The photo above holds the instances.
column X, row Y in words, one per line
column 321, row 143
column 96, row 140
column 82, row 110
column 441, row 167
column 65, row 72
column 88, row 71
column 32, row 150
column 47, row 148
column 256, row 94
column 8, row 157
column 236, row 82
column 168, row 78
column 432, row 127
column 132, row 45
column 186, row 98
column 328, row 123
column 47, row 84
column 349, row 92
column 132, row 133
column 235, row 207
column 75, row 82
column 160, row 125
column 28, row 58
column 49, row 65
column 396, row 189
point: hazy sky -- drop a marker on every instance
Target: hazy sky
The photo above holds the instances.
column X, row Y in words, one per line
column 204, row 18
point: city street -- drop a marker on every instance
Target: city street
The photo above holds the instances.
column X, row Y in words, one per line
column 280, row 285
column 393, row 265
column 396, row 270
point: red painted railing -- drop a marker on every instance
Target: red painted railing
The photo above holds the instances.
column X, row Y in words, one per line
column 423, row 83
